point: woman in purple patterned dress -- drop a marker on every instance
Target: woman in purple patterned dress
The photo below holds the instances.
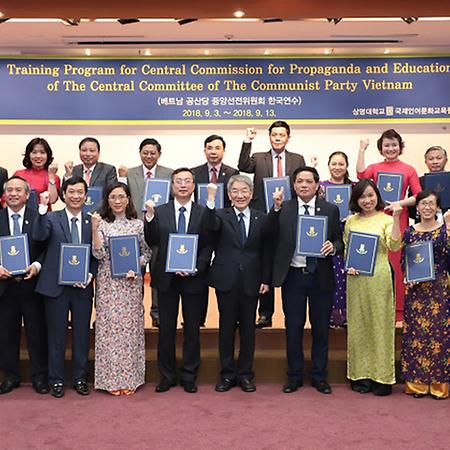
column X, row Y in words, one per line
column 338, row 167
column 119, row 325
column 426, row 321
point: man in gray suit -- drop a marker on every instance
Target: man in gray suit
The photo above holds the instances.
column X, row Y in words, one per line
column 95, row 173
column 277, row 162
column 150, row 152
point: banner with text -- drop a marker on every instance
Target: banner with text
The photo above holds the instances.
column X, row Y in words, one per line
column 226, row 90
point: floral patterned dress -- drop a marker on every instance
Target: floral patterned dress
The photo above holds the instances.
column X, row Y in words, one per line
column 119, row 324
column 426, row 322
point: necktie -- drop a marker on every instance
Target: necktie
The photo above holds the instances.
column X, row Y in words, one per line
column 280, row 166
column 149, row 174
column 74, row 231
column 87, row 176
column 213, row 175
column 16, row 225
column 182, row 221
column 311, row 262
column 242, row 228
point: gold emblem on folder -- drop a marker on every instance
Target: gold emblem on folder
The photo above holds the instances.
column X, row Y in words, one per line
column 74, row 261
column 312, row 232
column 418, row 259
column 124, row 252
column 13, row 251
column 362, row 249
column 338, row 199
column 388, row 187
column 156, row 198
column 182, row 250
column 439, row 188
column 89, row 201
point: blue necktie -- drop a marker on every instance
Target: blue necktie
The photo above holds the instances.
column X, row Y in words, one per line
column 182, row 221
column 242, row 228
column 16, row 225
column 311, row 262
column 74, row 231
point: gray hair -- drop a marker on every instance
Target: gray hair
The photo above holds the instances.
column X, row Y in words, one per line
column 240, row 178
column 16, row 177
column 436, row 147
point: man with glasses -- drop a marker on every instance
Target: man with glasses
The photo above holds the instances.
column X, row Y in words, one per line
column 182, row 216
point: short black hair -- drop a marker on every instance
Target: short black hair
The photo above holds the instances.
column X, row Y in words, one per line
column 150, row 141
column 214, row 137
column 105, row 210
column 89, row 139
column 29, row 148
column 74, row 180
column 426, row 193
column 280, row 124
column 182, row 169
column 306, row 169
column 358, row 191
column 390, row 134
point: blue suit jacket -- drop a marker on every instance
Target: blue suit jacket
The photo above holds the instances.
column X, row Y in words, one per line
column 54, row 228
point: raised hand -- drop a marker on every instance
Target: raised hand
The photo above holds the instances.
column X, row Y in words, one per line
column 68, row 167
column 150, row 208
column 52, row 169
column 395, row 207
column 95, row 220
column 211, row 189
column 278, row 197
column 251, row 133
column 363, row 144
column 314, row 160
column 44, row 198
column 123, row 171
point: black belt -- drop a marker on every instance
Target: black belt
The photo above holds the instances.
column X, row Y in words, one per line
column 301, row 270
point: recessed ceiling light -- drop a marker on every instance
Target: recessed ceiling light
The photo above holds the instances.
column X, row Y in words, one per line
column 206, row 52
column 386, row 51
column 239, row 13
column 267, row 52
column 327, row 51
column 88, row 52
column 147, row 52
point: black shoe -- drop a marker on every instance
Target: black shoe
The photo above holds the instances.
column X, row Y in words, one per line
column 41, row 387
column 419, row 395
column 264, row 322
column 155, row 322
column 292, row 386
column 8, row 385
column 381, row 390
column 189, row 386
column 322, row 386
column 81, row 387
column 164, row 385
column 247, row 385
column 225, row 384
column 57, row 390
column 361, row 386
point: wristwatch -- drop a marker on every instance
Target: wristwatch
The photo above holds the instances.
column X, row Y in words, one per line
column 52, row 182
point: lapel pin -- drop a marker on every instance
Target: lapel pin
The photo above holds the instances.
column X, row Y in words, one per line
column 26, row 222
column 318, row 209
column 86, row 221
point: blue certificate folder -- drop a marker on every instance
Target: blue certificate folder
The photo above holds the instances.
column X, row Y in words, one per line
column 362, row 252
column 157, row 190
column 419, row 262
column 15, row 254
column 339, row 195
column 74, row 263
column 182, row 253
column 124, row 255
column 33, row 200
column 390, row 186
column 202, row 194
column 270, row 184
column 439, row 182
column 94, row 199
column 311, row 234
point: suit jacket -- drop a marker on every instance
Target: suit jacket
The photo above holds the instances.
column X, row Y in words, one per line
column 261, row 165
column 53, row 229
column 3, row 178
column 102, row 176
column 284, row 223
column 36, row 248
column 136, row 183
column 157, row 233
column 253, row 259
column 201, row 174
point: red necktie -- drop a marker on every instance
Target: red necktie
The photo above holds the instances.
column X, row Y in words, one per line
column 87, row 176
column 280, row 166
column 213, row 175
column 149, row 174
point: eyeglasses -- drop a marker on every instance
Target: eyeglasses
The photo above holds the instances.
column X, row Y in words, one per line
column 181, row 181
column 428, row 204
column 240, row 191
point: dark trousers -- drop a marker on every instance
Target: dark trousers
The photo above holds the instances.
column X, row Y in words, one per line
column 267, row 304
column 79, row 303
column 168, row 314
column 296, row 289
column 19, row 301
column 235, row 306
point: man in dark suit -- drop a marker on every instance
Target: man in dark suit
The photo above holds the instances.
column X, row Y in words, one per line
column 94, row 172
column 179, row 215
column 213, row 171
column 69, row 225
column 3, row 178
column 240, row 273
column 303, row 279
column 149, row 152
column 17, row 297
column 277, row 162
